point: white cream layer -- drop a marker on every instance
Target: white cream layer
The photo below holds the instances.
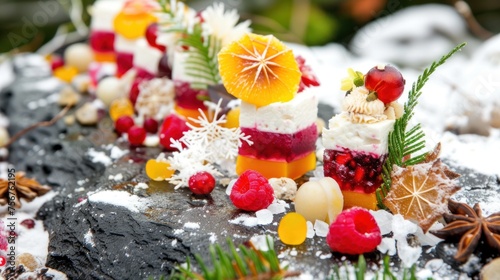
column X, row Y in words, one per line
column 124, row 45
column 104, row 13
column 146, row 57
column 282, row 117
column 366, row 137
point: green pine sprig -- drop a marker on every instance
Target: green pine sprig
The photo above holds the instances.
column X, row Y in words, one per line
column 247, row 263
column 404, row 142
column 201, row 63
column 360, row 271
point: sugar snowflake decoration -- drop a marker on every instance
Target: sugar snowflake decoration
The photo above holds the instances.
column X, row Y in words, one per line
column 223, row 24
column 206, row 143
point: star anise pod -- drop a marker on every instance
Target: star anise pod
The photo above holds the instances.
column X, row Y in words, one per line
column 22, row 186
column 468, row 224
column 420, row 192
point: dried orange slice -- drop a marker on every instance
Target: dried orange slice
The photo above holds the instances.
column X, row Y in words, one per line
column 259, row 70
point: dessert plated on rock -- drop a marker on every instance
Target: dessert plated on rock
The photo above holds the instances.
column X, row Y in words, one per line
column 356, row 142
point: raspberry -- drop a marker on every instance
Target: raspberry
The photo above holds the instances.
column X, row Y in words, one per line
column 354, row 232
column 202, row 183
column 308, row 78
column 172, row 127
column 252, row 192
column 124, row 123
column 29, row 223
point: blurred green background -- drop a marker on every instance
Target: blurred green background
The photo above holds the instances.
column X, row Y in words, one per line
column 25, row 25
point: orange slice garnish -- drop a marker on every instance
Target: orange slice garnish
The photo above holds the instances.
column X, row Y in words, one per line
column 259, row 70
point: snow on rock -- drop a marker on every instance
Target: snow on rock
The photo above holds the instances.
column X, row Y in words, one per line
column 118, row 198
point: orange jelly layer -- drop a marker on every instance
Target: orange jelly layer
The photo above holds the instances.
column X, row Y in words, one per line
column 276, row 169
column 361, row 199
column 189, row 113
column 104, row 56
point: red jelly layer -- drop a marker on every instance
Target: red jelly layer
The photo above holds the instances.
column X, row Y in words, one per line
column 143, row 74
column 124, row 61
column 102, row 41
column 189, row 98
column 279, row 146
column 354, row 170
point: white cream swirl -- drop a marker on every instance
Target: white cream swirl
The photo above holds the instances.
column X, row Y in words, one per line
column 362, row 111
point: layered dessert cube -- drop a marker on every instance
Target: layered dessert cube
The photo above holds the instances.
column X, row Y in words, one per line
column 283, row 134
column 356, row 142
column 102, row 34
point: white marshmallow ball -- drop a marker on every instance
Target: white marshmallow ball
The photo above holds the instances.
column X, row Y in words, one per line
column 79, row 56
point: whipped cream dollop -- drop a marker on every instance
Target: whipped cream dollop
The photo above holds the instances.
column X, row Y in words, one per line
column 360, row 110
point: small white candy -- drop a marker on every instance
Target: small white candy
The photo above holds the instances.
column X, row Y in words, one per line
column 4, row 136
column 276, row 208
column 264, row 217
column 79, row 56
column 310, row 230
column 108, row 90
column 321, row 228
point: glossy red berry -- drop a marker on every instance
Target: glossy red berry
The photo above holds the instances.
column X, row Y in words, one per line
column 150, row 125
column 201, row 183
column 152, row 34
column 124, row 123
column 173, row 127
column 136, row 135
column 56, row 61
column 308, row 78
column 29, row 223
column 386, row 81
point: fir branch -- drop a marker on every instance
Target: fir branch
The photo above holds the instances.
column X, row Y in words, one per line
column 360, row 271
column 202, row 63
column 248, row 263
column 404, row 143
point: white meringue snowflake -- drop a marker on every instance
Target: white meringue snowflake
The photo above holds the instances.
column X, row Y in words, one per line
column 223, row 24
column 205, row 144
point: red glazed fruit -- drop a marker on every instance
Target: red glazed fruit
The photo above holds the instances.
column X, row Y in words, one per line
column 124, row 123
column 252, row 192
column 386, row 81
column 308, row 78
column 173, row 127
column 136, row 135
column 164, row 69
column 354, row 232
column 201, row 183
column 152, row 34
column 29, row 223
column 151, row 125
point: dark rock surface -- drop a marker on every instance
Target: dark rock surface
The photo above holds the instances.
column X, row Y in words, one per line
column 93, row 240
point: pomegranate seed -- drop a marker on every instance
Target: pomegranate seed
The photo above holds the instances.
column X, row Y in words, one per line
column 123, row 124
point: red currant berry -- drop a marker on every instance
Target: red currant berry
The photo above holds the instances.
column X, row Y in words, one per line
column 386, row 81
column 172, row 127
column 29, row 223
column 136, row 135
column 152, row 34
column 151, row 125
column 123, row 124
column 56, row 61
column 201, row 183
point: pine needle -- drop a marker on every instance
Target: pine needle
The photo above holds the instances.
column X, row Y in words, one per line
column 403, row 142
column 247, row 263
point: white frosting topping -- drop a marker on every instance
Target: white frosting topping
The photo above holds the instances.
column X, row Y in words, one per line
column 147, row 57
column 124, row 45
column 367, row 137
column 103, row 14
column 282, row 117
column 362, row 111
